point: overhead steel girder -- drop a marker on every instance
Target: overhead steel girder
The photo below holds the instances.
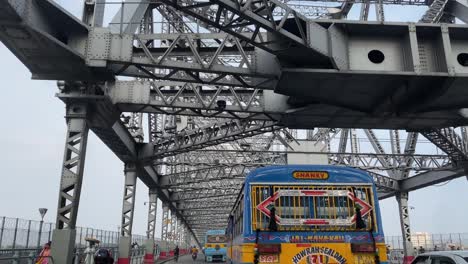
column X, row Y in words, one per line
column 424, row 179
column 183, row 98
column 403, row 82
column 201, row 198
column 429, row 178
column 202, row 227
column 208, row 218
column 128, row 17
column 404, row 78
column 233, row 17
column 200, row 64
column 202, row 175
column 205, row 193
column 211, row 222
column 212, row 170
column 457, row 8
column 385, row 2
column 213, row 135
column 207, row 214
column 204, row 211
column 93, row 13
column 25, row 24
column 449, row 142
column 204, row 224
column 372, row 161
column 435, row 12
column 366, row 161
column 194, row 183
column 187, row 191
column 196, row 206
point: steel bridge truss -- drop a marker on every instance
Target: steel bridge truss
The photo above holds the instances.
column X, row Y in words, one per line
column 218, row 97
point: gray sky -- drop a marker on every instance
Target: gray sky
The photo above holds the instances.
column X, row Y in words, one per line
column 33, row 140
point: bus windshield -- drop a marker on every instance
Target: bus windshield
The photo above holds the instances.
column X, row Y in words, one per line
column 316, row 208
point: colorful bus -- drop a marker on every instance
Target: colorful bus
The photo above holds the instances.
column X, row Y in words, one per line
column 215, row 246
column 306, row 214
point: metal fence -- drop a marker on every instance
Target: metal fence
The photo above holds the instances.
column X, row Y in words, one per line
column 17, row 233
column 431, row 242
column 29, row 256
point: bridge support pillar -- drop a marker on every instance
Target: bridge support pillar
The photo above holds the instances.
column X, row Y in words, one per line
column 187, row 238
column 152, row 211
column 402, row 199
column 173, row 233
column 127, row 214
column 70, row 184
column 165, row 232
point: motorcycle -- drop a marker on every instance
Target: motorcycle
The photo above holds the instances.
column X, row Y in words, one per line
column 194, row 255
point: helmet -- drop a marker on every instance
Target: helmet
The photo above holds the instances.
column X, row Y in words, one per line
column 102, row 255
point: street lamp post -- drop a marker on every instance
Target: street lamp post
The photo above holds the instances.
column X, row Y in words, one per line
column 42, row 211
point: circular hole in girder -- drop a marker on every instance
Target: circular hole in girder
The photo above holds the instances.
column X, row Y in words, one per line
column 462, row 58
column 376, row 56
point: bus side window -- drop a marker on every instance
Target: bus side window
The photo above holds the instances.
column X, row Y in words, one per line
column 421, row 260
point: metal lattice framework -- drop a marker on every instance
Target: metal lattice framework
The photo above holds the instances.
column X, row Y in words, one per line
column 225, row 86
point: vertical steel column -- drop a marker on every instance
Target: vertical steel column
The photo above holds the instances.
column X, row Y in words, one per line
column 379, row 11
column 165, row 232
column 165, row 223
column 173, row 227
column 128, row 206
column 187, row 237
column 15, row 234
column 29, row 232
column 41, row 224
column 182, row 236
column 72, row 169
column 354, row 145
column 50, row 232
column 364, row 14
column 70, row 184
column 150, row 231
column 128, row 203
column 179, row 232
column 1, row 231
column 81, row 236
column 402, row 199
column 93, row 12
column 152, row 210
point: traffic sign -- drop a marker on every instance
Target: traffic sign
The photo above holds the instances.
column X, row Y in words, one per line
column 42, row 211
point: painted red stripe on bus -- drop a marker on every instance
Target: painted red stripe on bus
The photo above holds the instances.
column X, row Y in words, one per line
column 314, row 193
column 316, row 222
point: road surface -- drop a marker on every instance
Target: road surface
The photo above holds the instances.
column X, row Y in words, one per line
column 188, row 259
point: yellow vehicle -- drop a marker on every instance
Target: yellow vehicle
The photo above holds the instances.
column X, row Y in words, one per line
column 306, row 214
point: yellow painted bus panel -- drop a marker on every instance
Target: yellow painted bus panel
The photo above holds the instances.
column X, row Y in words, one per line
column 331, row 253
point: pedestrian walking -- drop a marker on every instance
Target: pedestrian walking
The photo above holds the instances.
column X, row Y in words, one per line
column 44, row 256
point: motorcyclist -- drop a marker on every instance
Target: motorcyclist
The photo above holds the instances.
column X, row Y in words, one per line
column 103, row 256
column 194, row 252
column 176, row 253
